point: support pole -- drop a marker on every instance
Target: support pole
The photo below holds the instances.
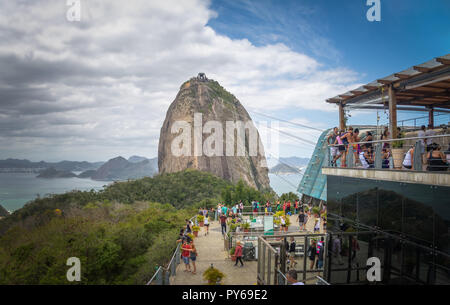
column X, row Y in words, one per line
column 392, row 113
column 341, row 117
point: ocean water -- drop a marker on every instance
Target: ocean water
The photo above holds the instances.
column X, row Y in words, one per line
column 285, row 183
column 16, row 189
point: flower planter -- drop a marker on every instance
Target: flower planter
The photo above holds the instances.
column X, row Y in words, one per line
column 246, row 230
column 201, row 223
column 398, row 155
column 233, row 258
column 196, row 233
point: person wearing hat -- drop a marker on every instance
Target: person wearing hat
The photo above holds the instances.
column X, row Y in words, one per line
column 238, row 253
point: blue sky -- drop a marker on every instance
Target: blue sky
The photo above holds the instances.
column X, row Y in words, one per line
column 338, row 34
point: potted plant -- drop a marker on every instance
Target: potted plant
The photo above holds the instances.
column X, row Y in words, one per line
column 195, row 229
column 398, row 153
column 245, row 226
column 288, row 222
column 213, row 276
column 201, row 220
column 191, row 235
column 233, row 257
column 233, row 227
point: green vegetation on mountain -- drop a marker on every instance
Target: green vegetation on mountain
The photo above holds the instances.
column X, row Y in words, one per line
column 120, row 234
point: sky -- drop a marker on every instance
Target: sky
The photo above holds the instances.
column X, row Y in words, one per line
column 100, row 87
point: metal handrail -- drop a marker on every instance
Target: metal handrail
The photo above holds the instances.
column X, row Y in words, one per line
column 394, row 140
column 154, row 275
column 165, row 270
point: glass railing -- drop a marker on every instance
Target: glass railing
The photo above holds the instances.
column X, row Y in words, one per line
column 408, row 153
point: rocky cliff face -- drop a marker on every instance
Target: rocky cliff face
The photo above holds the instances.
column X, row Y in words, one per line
column 199, row 132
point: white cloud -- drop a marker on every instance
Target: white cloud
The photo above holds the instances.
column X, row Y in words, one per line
column 101, row 87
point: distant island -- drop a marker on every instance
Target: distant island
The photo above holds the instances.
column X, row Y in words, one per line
column 53, row 173
column 289, row 165
column 117, row 169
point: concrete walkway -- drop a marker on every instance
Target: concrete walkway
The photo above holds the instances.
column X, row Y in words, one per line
column 210, row 249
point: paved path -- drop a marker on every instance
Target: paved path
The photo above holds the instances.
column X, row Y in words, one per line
column 210, row 250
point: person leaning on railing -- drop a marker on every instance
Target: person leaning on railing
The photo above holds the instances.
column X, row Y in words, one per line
column 437, row 161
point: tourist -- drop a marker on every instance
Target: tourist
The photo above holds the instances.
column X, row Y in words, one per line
column 238, row 254
column 301, row 220
column 206, row 224
column 193, row 256
column 183, row 237
column 386, row 155
column 241, row 207
column 386, row 136
column 224, row 210
column 283, row 223
column 185, row 254
column 223, row 223
column 317, row 224
column 429, row 141
column 365, row 158
column 278, row 206
column 336, row 248
column 235, row 209
column 296, row 206
column 340, row 148
column 292, row 246
column 288, row 207
column 346, row 139
column 369, row 139
column 291, row 277
column 255, row 208
column 188, row 226
column 409, row 157
column 437, row 161
column 356, row 147
column 319, row 252
column 311, row 253
column 354, row 248
column 331, row 139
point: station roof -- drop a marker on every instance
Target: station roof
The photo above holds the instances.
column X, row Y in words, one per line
column 424, row 85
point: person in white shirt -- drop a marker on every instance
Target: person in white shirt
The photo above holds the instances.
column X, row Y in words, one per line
column 409, row 157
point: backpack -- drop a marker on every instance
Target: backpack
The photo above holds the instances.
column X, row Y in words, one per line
column 302, row 217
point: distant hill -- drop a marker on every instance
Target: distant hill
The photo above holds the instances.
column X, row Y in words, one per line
column 3, row 212
column 136, row 159
column 121, row 169
column 282, row 168
column 23, row 165
column 54, row 173
column 289, row 165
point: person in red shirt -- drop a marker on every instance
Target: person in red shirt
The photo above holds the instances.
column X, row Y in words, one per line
column 238, row 254
column 223, row 223
column 185, row 253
